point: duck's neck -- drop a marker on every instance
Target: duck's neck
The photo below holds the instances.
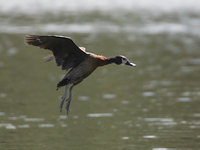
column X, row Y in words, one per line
column 111, row 60
column 102, row 60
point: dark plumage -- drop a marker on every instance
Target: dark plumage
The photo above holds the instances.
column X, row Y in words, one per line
column 69, row 56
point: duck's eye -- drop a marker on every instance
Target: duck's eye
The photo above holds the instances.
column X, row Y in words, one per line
column 124, row 60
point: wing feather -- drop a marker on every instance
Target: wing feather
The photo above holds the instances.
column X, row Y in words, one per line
column 67, row 54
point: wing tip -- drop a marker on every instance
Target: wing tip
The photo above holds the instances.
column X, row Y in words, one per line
column 29, row 39
column 32, row 40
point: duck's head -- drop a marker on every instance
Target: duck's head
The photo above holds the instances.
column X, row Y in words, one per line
column 122, row 60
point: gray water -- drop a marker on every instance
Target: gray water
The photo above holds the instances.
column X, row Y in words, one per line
column 154, row 106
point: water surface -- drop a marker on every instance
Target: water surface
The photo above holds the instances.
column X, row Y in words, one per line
column 154, row 106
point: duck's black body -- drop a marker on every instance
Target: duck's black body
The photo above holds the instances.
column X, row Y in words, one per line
column 70, row 56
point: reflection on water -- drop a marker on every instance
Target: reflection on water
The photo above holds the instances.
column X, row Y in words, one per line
column 150, row 136
column 154, row 106
column 109, row 96
column 100, row 115
column 39, row 7
column 148, row 94
column 33, row 119
column 83, row 98
column 2, row 113
column 48, row 125
column 7, row 125
column 163, row 149
column 160, row 121
column 63, row 117
column 24, row 126
column 125, row 138
column 74, row 16
column 184, row 99
column 3, row 95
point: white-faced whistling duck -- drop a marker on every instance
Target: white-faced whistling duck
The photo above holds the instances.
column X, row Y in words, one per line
column 69, row 56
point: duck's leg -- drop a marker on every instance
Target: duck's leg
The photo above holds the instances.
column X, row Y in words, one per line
column 69, row 99
column 63, row 97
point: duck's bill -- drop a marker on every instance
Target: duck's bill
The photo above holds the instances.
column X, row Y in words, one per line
column 130, row 64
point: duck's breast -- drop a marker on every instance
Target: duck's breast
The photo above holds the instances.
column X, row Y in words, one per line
column 83, row 70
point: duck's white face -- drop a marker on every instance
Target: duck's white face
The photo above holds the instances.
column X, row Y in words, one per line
column 125, row 61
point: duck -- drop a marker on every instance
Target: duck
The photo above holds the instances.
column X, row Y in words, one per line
column 78, row 63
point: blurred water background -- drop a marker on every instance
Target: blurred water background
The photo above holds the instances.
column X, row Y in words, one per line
column 154, row 106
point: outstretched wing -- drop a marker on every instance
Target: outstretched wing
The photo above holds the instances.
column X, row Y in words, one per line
column 65, row 51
